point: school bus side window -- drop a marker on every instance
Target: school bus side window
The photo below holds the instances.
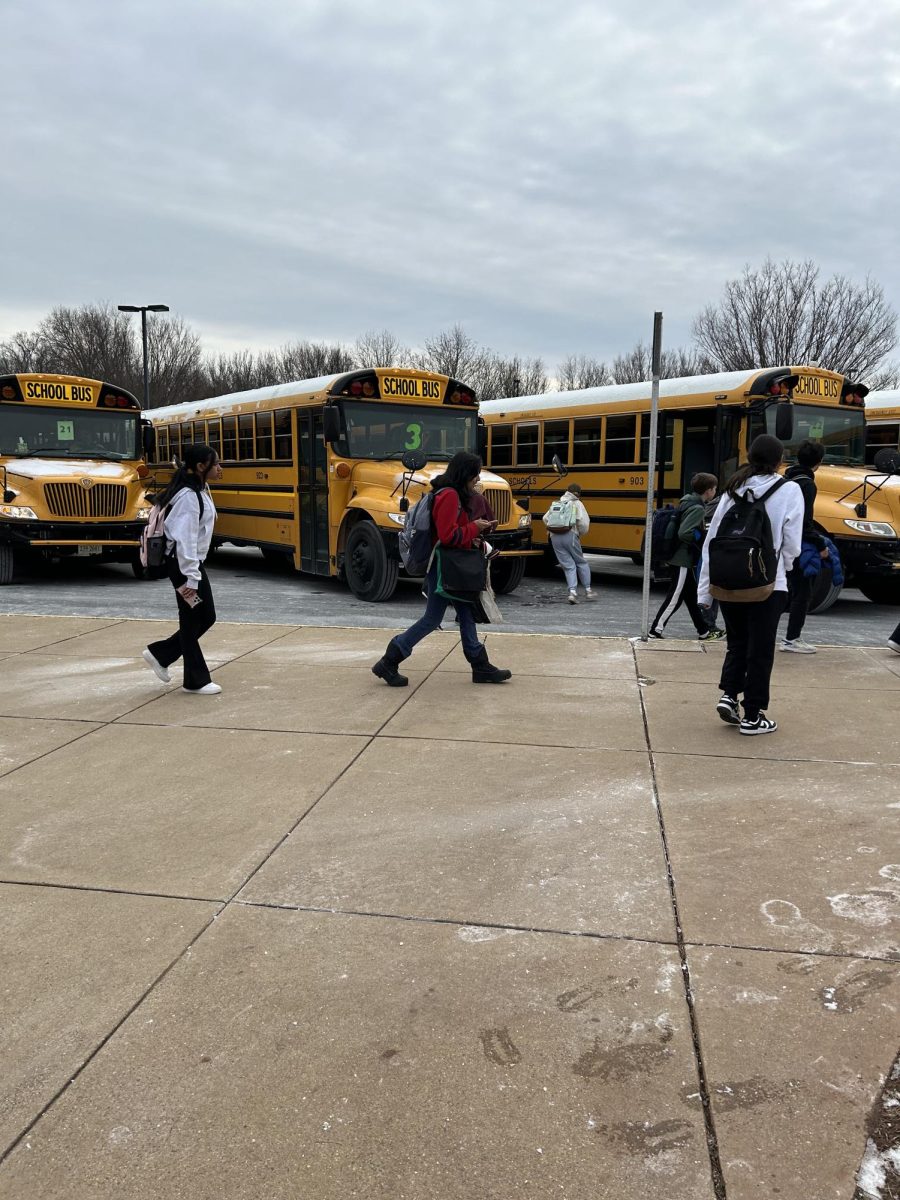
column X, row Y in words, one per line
column 214, row 436
column 645, row 440
column 283, row 449
column 229, row 438
column 501, row 445
column 620, row 435
column 586, row 440
column 527, row 445
column 162, row 444
column 556, row 441
column 264, row 435
column 245, row 436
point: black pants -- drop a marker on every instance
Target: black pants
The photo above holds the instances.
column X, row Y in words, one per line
column 682, row 590
column 192, row 624
column 751, row 629
column 799, row 586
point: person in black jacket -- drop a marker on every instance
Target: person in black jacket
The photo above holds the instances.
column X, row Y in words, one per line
column 809, row 458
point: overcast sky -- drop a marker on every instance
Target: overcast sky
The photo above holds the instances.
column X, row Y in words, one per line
column 545, row 174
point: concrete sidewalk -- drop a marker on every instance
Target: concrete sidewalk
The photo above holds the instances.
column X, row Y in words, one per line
column 320, row 938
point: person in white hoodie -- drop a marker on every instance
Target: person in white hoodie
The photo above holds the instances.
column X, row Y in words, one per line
column 188, row 527
column 752, row 627
column 566, row 541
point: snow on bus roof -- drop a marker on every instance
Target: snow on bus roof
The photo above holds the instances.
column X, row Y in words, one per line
column 688, row 385
column 182, row 412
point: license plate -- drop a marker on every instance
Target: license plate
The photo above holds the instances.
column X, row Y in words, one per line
column 83, row 551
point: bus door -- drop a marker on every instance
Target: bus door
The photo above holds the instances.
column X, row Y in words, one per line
column 728, row 444
column 699, row 445
column 312, row 463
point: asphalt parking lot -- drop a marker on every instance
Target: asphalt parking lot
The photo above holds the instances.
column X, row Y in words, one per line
column 248, row 589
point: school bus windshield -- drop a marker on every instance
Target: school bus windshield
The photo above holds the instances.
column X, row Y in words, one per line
column 67, row 433
column 389, row 430
column 842, row 431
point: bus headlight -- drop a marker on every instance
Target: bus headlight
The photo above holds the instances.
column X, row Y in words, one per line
column 874, row 528
column 397, row 518
column 143, row 514
column 18, row 512
column 525, row 521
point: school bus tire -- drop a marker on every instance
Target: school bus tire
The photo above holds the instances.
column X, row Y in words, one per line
column 371, row 574
column 137, row 567
column 823, row 593
column 880, row 591
column 7, row 564
column 506, row 574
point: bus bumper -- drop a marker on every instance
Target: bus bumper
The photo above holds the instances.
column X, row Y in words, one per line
column 863, row 558
column 56, row 539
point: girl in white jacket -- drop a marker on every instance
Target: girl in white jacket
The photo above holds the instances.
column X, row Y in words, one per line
column 188, row 527
column 566, row 545
column 752, row 628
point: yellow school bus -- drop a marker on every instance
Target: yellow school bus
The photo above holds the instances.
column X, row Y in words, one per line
column 313, row 470
column 882, row 422
column 72, row 468
column 706, row 423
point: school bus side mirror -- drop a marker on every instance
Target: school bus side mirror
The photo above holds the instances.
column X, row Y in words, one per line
column 559, row 466
column 784, row 421
column 331, row 424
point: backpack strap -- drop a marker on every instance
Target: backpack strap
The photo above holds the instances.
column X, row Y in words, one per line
column 774, row 488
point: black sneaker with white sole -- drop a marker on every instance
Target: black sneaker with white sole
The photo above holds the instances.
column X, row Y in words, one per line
column 728, row 710
column 760, row 724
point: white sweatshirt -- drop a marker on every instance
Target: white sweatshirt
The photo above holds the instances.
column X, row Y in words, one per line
column 785, row 511
column 582, row 520
column 190, row 532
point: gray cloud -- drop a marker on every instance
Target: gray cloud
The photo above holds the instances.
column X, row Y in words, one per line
column 548, row 175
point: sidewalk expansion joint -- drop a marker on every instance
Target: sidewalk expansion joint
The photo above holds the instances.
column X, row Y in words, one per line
column 96, row 888
column 712, row 1143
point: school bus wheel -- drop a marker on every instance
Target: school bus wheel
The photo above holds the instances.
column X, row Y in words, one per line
column 371, row 574
column 137, row 567
column 7, row 564
column 880, row 590
column 506, row 574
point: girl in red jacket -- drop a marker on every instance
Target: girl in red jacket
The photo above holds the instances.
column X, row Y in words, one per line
column 455, row 527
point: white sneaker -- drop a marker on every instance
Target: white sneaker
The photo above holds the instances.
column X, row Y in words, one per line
column 156, row 667
column 208, row 689
column 573, row 597
column 895, row 646
column 589, row 595
column 797, row 647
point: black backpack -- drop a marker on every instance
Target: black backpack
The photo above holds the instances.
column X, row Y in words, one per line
column 742, row 558
column 664, row 534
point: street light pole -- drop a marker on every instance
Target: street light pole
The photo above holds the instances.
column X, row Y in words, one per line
column 143, row 309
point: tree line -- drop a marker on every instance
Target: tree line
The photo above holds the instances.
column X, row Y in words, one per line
column 778, row 314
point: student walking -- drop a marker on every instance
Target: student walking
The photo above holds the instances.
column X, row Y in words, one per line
column 190, row 518
column 682, row 565
column 809, row 458
column 454, row 527
column 567, row 522
column 752, row 624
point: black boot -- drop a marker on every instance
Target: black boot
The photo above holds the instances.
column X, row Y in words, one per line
column 483, row 672
column 386, row 668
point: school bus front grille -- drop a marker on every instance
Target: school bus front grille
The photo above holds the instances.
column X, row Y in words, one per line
column 73, row 500
column 499, row 500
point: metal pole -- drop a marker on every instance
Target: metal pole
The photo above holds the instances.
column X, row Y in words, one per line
column 146, row 375
column 651, row 474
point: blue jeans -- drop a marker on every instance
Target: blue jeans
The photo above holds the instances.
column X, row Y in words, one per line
column 431, row 621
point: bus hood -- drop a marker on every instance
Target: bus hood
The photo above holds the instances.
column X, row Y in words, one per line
column 71, row 468
column 840, row 489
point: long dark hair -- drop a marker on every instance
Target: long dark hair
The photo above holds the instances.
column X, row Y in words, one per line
column 193, row 455
column 460, row 469
column 764, row 457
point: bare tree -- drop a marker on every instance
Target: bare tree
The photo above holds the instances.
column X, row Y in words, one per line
column 24, row 353
column 498, row 377
column 95, row 341
column 886, row 376
column 452, row 352
column 309, row 360
column 781, row 314
column 174, row 363
column 636, row 366
column 380, row 349
column 578, row 371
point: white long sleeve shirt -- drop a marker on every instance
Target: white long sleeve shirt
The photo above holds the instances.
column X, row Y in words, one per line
column 190, row 532
column 785, row 511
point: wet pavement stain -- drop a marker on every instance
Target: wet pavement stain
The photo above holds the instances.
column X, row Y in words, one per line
column 644, row 1138
column 851, row 995
column 621, row 1062
column 743, row 1093
column 499, row 1048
